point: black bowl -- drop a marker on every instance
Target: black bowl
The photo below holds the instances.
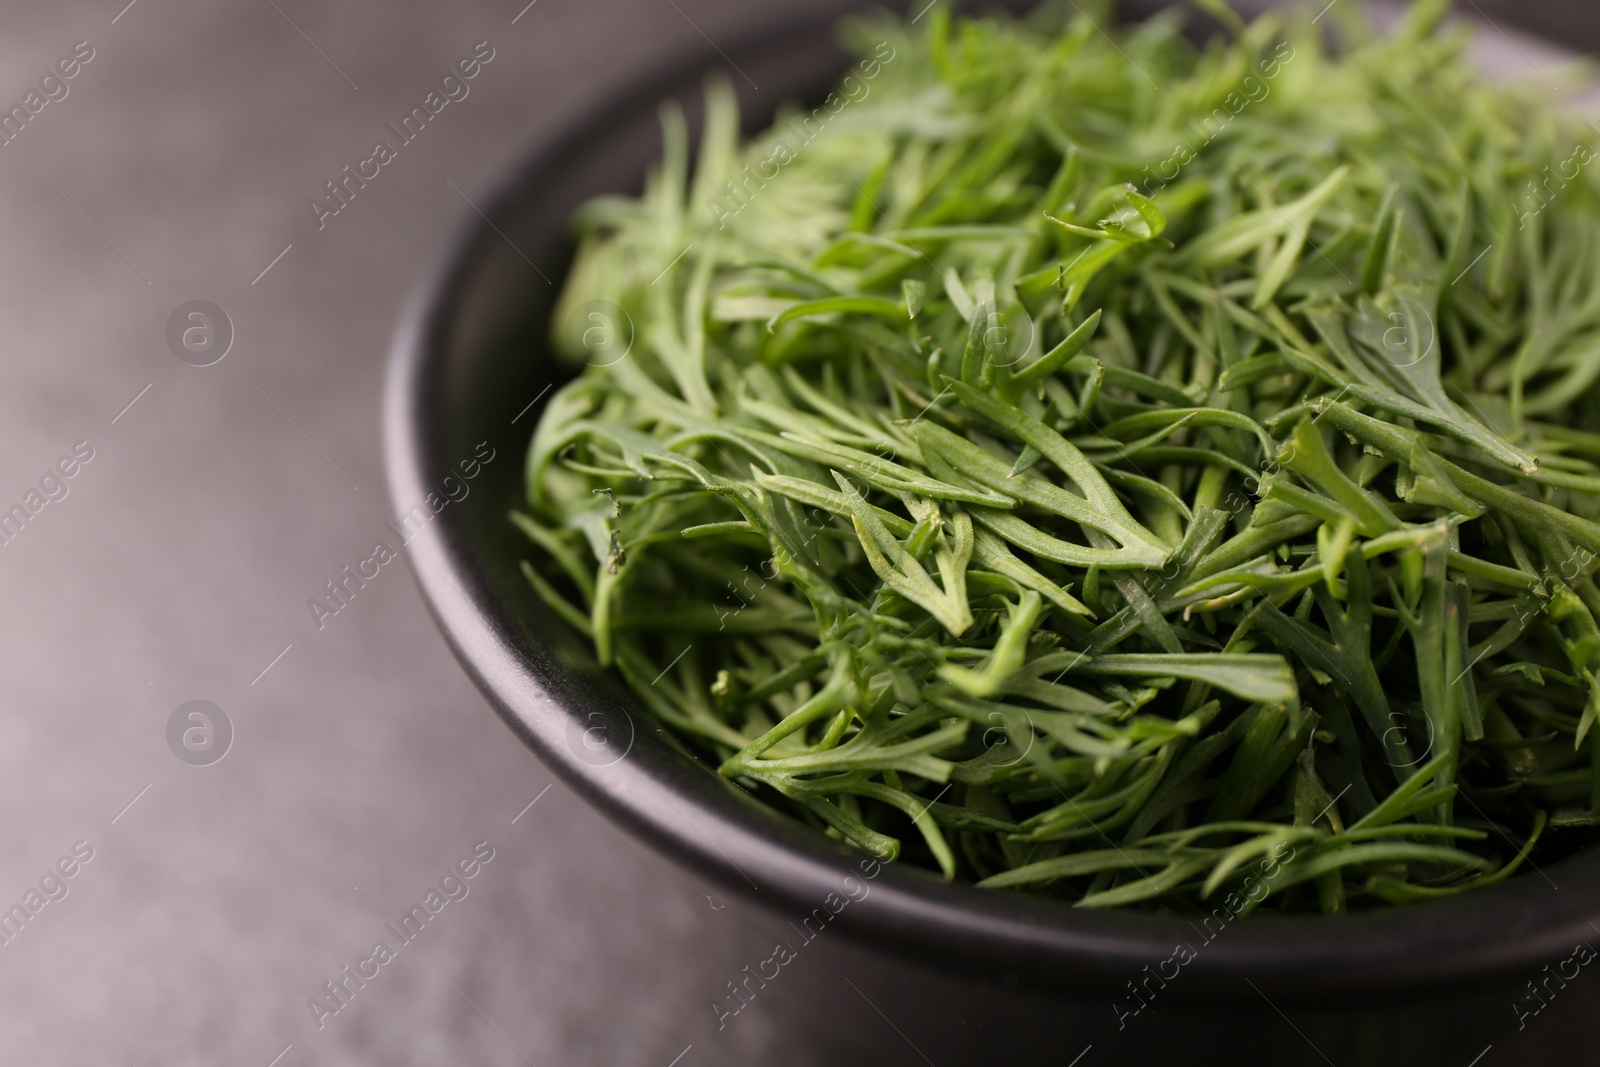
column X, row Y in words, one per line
column 1425, row 983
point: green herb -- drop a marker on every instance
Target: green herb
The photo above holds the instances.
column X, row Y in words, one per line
column 1081, row 462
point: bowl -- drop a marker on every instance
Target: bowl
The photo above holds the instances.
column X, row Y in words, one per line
column 470, row 367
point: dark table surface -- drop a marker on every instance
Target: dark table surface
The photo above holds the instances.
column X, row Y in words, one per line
column 219, row 499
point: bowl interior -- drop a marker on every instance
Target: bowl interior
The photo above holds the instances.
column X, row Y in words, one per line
column 471, row 369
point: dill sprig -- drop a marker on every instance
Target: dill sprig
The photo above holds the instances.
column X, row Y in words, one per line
column 1084, row 462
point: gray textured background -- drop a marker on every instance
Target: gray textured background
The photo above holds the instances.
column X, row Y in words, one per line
column 179, row 565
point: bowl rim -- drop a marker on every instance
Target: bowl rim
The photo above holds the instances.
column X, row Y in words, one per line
column 673, row 802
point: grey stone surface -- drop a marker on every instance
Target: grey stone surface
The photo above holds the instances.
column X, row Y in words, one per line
column 177, row 567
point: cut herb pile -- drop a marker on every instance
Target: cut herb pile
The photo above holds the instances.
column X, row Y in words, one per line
column 1079, row 461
